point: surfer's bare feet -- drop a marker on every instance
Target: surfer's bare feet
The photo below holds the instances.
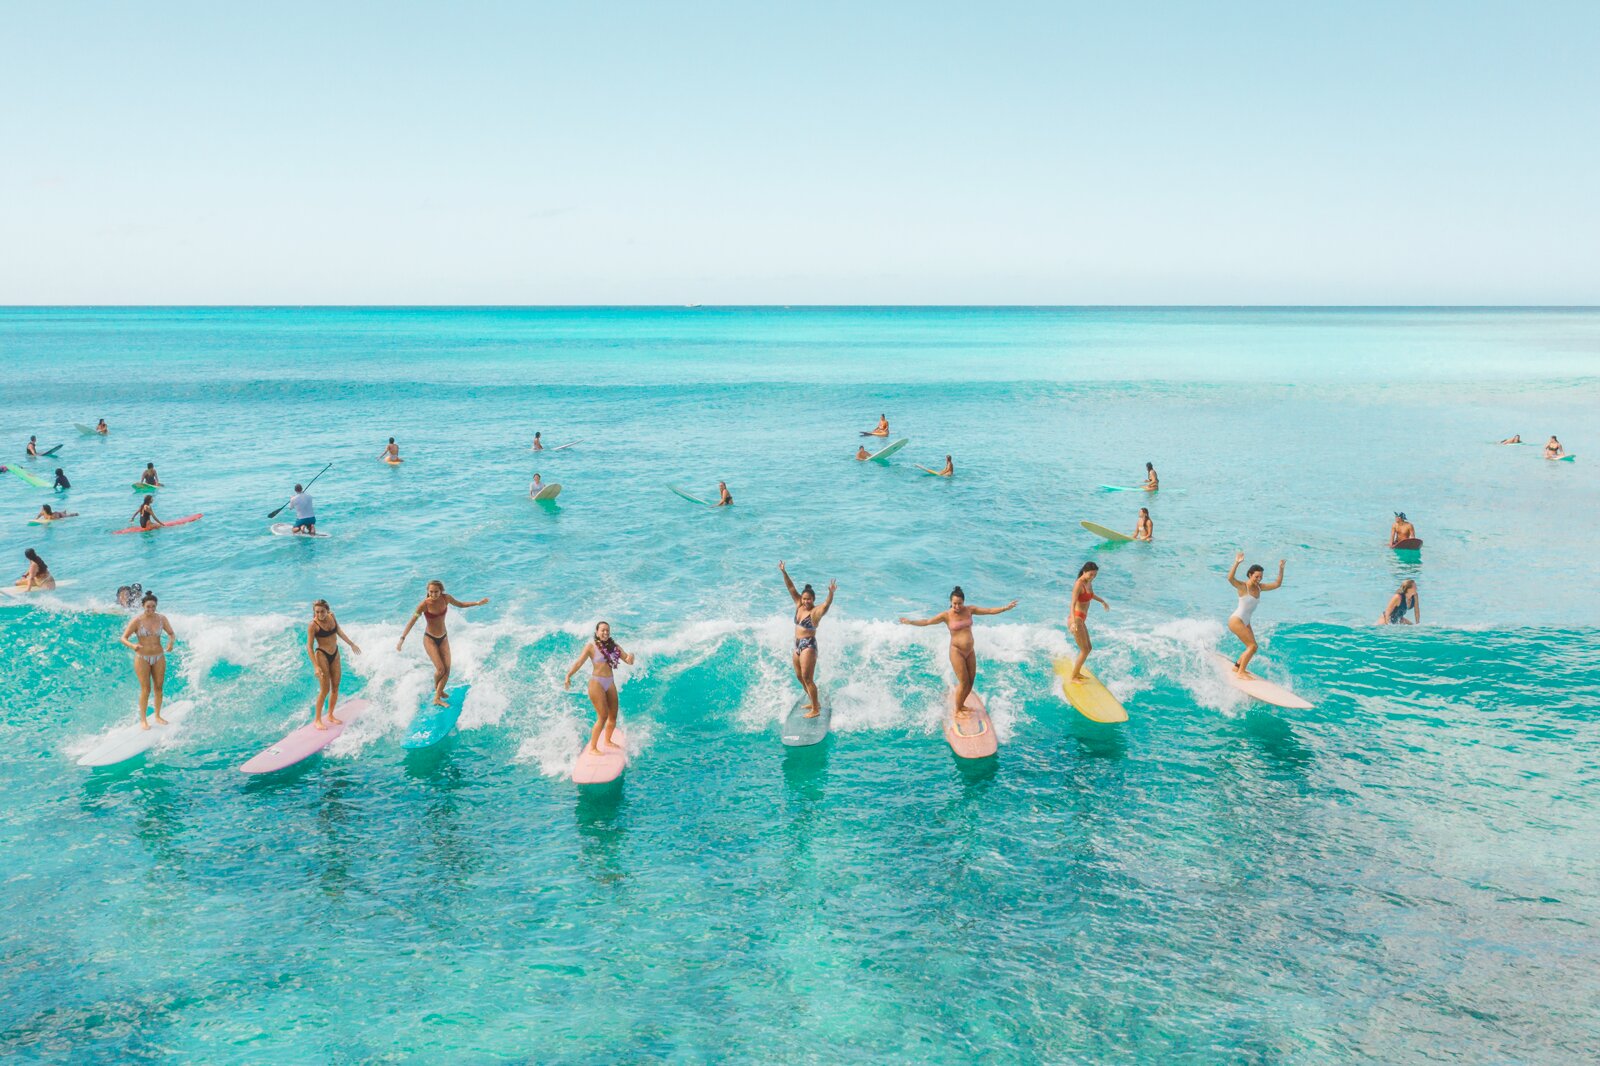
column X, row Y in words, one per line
column 319, row 724
column 160, row 720
column 594, row 750
column 334, row 721
column 144, row 723
column 963, row 714
column 439, row 701
column 812, row 713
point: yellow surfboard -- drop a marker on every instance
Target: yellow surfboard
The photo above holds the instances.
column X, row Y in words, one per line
column 1101, row 531
column 1092, row 699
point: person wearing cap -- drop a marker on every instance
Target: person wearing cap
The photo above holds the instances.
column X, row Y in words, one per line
column 1401, row 530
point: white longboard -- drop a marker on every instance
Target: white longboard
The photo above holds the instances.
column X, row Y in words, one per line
column 1259, row 688
column 127, row 742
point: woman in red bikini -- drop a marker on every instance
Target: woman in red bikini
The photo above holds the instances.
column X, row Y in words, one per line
column 434, row 638
column 963, row 655
column 1083, row 594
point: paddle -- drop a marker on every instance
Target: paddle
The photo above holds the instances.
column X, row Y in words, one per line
column 313, row 481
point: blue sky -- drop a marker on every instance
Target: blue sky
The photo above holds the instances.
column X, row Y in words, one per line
column 606, row 152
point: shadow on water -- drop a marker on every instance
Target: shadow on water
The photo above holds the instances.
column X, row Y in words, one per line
column 805, row 769
column 976, row 773
column 1098, row 740
column 601, row 822
column 433, row 763
column 1275, row 738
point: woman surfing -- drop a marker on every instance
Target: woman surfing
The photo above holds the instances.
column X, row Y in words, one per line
column 603, row 654
column 322, row 647
column 806, row 617
column 1083, row 594
column 143, row 636
column 1249, row 590
column 963, row 654
column 435, row 640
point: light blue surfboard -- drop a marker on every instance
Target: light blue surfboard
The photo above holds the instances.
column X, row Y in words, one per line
column 432, row 724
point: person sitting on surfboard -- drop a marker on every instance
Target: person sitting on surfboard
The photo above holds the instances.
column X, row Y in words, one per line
column 149, row 657
column 806, row 616
column 61, row 479
column 963, row 654
column 1405, row 599
column 1552, row 449
column 1083, row 594
column 1401, row 530
column 882, row 430
column 434, row 638
column 37, row 576
column 1515, row 438
column 1250, row 590
column 603, row 654
column 101, row 427
column 46, row 514
column 149, row 476
column 322, row 647
column 948, row 471
column 145, row 516
column 391, row 453
column 1144, row 529
column 724, row 497
column 1151, row 482
column 538, row 442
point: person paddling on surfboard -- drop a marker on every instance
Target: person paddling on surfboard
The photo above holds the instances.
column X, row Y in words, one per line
column 603, row 654
column 391, row 453
column 1144, row 529
column 47, row 514
column 434, row 638
column 1515, row 438
column 143, row 635
column 1250, row 590
column 37, row 576
column 724, row 497
column 806, row 617
column 1552, row 448
column 149, row 476
column 322, row 647
column 145, row 516
column 1083, row 594
column 882, row 429
column 1401, row 530
column 1151, row 482
column 963, row 654
column 1405, row 599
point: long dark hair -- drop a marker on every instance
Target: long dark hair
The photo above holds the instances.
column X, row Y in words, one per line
column 608, row 648
column 1150, row 467
column 1088, row 568
column 33, row 557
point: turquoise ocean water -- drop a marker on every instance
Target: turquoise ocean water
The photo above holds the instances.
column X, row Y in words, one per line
column 1408, row 871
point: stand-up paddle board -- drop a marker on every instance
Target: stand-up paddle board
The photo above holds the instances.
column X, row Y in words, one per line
column 32, row 479
column 17, row 591
column 569, row 444
column 286, row 529
column 433, row 723
column 1259, row 688
column 305, row 741
column 1091, row 698
column 600, row 769
column 691, row 499
column 1101, row 531
column 185, row 520
column 549, row 492
column 890, row 450
column 800, row 731
column 971, row 737
column 139, row 486
column 1410, row 544
column 130, row 741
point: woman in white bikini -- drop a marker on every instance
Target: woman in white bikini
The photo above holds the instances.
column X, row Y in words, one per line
column 603, row 654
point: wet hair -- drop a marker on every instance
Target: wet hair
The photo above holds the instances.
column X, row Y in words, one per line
column 1088, row 568
column 1145, row 511
column 320, row 603
column 956, row 593
column 1255, row 568
column 1150, row 467
column 535, row 433
column 807, row 590
column 149, row 597
column 47, row 509
column 33, row 557
column 391, row 440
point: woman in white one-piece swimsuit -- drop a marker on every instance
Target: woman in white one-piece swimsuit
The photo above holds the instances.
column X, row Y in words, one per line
column 1250, row 590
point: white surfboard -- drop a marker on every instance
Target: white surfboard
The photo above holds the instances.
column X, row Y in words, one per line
column 1259, row 688
column 286, row 529
column 18, row 592
column 126, row 742
column 879, row 456
column 569, row 444
column 548, row 492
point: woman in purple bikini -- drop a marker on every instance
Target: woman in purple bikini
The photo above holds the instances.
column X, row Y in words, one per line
column 603, row 654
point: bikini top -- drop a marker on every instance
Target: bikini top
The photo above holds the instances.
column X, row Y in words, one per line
column 611, row 655
column 803, row 620
column 960, row 623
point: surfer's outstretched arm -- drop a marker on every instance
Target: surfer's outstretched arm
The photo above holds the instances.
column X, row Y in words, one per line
column 794, row 593
column 935, row 620
column 1277, row 583
column 992, row 610
column 816, row 615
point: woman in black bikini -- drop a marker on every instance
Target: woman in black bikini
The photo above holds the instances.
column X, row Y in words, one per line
column 434, row 638
column 806, row 616
column 145, row 516
column 603, row 654
column 963, row 655
column 1405, row 599
column 322, row 645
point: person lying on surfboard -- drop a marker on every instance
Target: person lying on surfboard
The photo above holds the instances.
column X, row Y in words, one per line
column 322, row 648
column 1083, row 594
column 1552, row 449
column 142, row 636
column 1249, row 590
column 391, row 453
column 47, row 515
column 724, row 497
column 1405, row 599
column 1401, row 530
column 1144, row 529
column 1513, row 439
column 435, row 639
column 602, row 654
column 963, row 654
column 948, row 471
column 806, row 617
column 145, row 516
column 1151, row 482
column 881, row 431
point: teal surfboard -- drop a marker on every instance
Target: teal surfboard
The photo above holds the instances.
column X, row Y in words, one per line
column 432, row 724
column 800, row 731
column 890, row 450
column 1566, row 458
column 691, row 499
column 139, row 486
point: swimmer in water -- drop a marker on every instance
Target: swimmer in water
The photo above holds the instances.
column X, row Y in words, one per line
column 1249, row 590
column 1144, row 529
column 538, row 442
column 882, row 429
column 724, row 497
column 963, row 654
column 807, row 615
column 535, row 485
column 1083, row 594
column 862, row 453
column 1151, row 482
column 61, row 480
column 1402, row 529
column 1405, row 599
column 143, row 636
column 435, row 640
column 101, row 428
column 603, row 654
column 322, row 647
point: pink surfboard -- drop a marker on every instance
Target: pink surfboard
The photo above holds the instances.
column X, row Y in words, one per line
column 185, row 520
column 971, row 737
column 304, row 742
column 595, row 769
column 1260, row 688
